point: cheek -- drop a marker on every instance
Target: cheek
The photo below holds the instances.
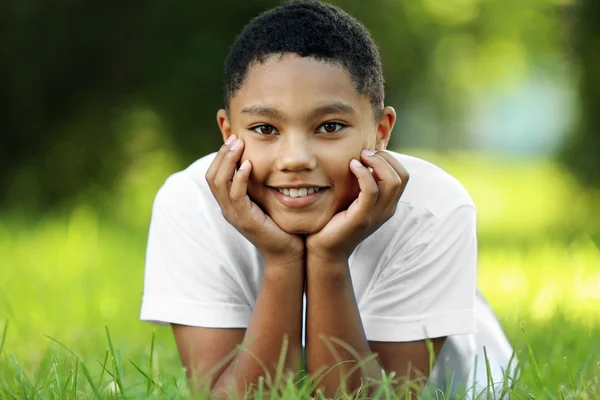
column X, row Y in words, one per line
column 345, row 184
column 345, row 192
column 261, row 167
column 260, row 162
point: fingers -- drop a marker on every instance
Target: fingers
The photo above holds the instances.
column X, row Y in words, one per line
column 222, row 176
column 390, row 175
column 239, row 186
column 228, row 165
column 366, row 182
column 214, row 166
column 396, row 165
column 382, row 168
column 369, row 191
column 240, row 204
column 230, row 187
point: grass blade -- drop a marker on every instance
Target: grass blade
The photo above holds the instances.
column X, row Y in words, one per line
column 474, row 388
column 21, row 376
column 84, row 369
column 75, row 378
column 381, row 389
column 261, row 387
column 488, row 372
column 64, row 387
column 281, row 362
column 570, row 374
column 103, row 369
column 150, row 366
column 536, row 369
column 115, row 363
column 533, row 361
column 148, row 378
column 90, row 381
column 4, row 332
column 107, row 371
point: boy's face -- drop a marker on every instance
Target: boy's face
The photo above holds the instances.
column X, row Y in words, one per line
column 302, row 122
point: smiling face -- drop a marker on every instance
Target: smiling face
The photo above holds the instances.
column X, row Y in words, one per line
column 303, row 121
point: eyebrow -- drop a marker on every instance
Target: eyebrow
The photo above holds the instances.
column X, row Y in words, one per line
column 332, row 108
column 272, row 112
column 263, row 111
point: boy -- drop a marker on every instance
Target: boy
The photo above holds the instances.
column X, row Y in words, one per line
column 303, row 201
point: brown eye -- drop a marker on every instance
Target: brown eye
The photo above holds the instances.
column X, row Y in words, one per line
column 330, row 127
column 265, row 130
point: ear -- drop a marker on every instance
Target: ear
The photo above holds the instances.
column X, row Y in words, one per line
column 224, row 124
column 384, row 128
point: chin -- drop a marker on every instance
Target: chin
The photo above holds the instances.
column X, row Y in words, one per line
column 301, row 225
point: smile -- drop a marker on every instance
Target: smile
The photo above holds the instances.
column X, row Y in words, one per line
column 298, row 197
column 301, row 192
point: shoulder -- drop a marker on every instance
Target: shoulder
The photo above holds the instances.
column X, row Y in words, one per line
column 186, row 196
column 431, row 189
column 433, row 202
column 185, row 207
column 434, row 207
column 188, row 185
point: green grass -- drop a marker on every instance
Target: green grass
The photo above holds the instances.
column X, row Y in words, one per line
column 64, row 280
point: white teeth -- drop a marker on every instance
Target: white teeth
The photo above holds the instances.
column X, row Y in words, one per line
column 298, row 192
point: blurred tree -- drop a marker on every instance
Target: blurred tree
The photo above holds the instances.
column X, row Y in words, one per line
column 582, row 149
column 70, row 70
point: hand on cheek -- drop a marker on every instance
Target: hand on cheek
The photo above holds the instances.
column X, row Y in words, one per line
column 379, row 193
column 229, row 185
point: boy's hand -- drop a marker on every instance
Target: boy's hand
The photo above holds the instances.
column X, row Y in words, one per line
column 380, row 191
column 230, row 189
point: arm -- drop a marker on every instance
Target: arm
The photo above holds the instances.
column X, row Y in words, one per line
column 332, row 312
column 332, row 308
column 278, row 310
column 203, row 350
column 437, row 304
column 410, row 360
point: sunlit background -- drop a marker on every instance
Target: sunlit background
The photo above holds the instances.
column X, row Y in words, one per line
column 101, row 101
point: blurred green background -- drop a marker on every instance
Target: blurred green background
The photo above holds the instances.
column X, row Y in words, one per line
column 101, row 101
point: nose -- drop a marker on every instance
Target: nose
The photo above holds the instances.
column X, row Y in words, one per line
column 296, row 153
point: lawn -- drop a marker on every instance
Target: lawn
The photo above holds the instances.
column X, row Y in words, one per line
column 70, row 282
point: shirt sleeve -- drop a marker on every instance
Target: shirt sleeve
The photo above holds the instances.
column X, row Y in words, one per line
column 187, row 280
column 427, row 288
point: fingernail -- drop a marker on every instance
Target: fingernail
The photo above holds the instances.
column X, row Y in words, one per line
column 355, row 163
column 230, row 140
column 236, row 144
column 368, row 153
column 244, row 165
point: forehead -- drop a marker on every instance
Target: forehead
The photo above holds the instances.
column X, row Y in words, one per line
column 298, row 84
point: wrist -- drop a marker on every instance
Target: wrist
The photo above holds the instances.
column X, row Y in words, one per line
column 326, row 264
column 288, row 259
column 320, row 256
column 329, row 254
column 283, row 264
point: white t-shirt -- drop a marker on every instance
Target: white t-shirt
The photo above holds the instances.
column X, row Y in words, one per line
column 414, row 278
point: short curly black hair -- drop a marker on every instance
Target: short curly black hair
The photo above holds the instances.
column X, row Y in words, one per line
column 309, row 28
